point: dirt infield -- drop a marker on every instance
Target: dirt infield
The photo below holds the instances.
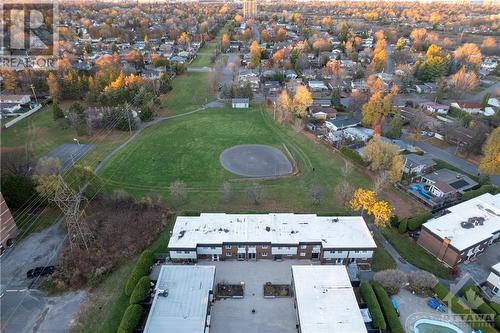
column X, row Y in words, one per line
column 255, row 161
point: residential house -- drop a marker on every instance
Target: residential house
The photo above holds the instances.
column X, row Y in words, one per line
column 445, row 183
column 240, row 103
column 465, row 231
column 341, row 123
column 358, row 133
column 418, row 164
column 469, row 107
column 434, row 107
column 322, row 113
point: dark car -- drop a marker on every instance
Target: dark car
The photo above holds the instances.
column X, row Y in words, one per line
column 40, row 271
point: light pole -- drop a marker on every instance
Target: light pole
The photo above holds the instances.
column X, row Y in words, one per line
column 76, row 140
column 274, row 113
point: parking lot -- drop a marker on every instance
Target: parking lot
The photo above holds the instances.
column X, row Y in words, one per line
column 271, row 315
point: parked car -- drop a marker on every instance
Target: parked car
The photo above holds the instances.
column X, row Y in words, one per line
column 40, row 271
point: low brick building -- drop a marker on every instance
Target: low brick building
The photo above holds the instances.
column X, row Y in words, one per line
column 8, row 228
column 465, row 231
column 328, row 239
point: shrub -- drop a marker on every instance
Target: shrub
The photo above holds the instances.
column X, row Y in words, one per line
column 497, row 322
column 141, row 290
column 390, row 314
column 370, row 298
column 130, row 319
column 141, row 268
column 421, row 281
column 391, row 280
column 394, row 221
column 495, row 306
column 415, row 222
column 473, row 293
column 403, row 226
column 456, row 307
column 477, row 192
column 353, row 156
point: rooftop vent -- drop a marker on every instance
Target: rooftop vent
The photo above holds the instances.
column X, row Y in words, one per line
column 467, row 225
column 163, row 293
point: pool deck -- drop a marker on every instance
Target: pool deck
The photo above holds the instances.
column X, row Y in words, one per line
column 413, row 308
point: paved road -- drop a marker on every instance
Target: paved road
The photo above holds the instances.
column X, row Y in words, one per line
column 29, row 310
column 448, row 157
column 388, row 66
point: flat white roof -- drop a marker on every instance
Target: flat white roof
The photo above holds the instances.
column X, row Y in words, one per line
column 461, row 225
column 332, row 231
column 184, row 310
column 325, row 300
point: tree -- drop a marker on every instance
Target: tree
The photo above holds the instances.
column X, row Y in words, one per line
column 226, row 192
column 433, row 51
column 255, row 193
column 376, row 109
column 490, row 163
column 183, row 39
column 401, row 43
column 283, row 106
column 255, row 54
column 316, row 192
column 435, row 18
column 281, row 35
column 395, row 127
column 8, row 79
column 344, row 192
column 463, row 81
column 225, row 42
column 57, row 112
column 53, row 86
column 396, row 169
column 421, row 282
column 79, row 122
column 16, row 162
column 178, row 190
column 367, row 201
column 391, row 280
column 379, row 154
column 468, row 55
column 18, row 190
column 301, row 101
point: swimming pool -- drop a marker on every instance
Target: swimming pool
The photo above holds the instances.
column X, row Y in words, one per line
column 434, row 326
column 420, row 190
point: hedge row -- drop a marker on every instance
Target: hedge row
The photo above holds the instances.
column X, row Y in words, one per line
column 477, row 192
column 370, row 298
column 415, row 222
column 141, row 268
column 130, row 319
column 353, row 155
column 403, row 226
column 390, row 314
column 463, row 311
column 141, row 290
column 484, row 308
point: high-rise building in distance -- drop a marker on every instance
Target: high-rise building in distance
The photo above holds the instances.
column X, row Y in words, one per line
column 249, row 8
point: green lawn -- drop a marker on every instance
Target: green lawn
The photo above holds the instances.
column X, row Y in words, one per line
column 382, row 260
column 190, row 92
column 415, row 254
column 188, row 149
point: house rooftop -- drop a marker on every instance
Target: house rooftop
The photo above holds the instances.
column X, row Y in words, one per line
column 283, row 228
column 455, row 179
column 469, row 222
column 414, row 160
column 185, row 306
column 326, row 300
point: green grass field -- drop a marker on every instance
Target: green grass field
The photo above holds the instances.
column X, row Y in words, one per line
column 188, row 149
column 190, row 91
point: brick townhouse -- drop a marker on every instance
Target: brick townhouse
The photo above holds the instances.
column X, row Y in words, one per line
column 328, row 239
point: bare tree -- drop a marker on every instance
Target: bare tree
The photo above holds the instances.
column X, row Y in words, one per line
column 316, row 192
column 227, row 191
column 48, row 166
column 421, row 281
column 391, row 280
column 17, row 162
column 380, row 182
column 255, row 193
column 178, row 190
column 344, row 191
column 346, row 170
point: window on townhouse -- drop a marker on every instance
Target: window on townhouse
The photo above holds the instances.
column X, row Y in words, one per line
column 228, row 246
column 178, row 252
column 264, row 246
column 213, row 248
column 187, row 252
column 303, row 247
column 302, row 254
column 264, row 254
column 228, row 254
column 356, row 251
column 332, row 252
